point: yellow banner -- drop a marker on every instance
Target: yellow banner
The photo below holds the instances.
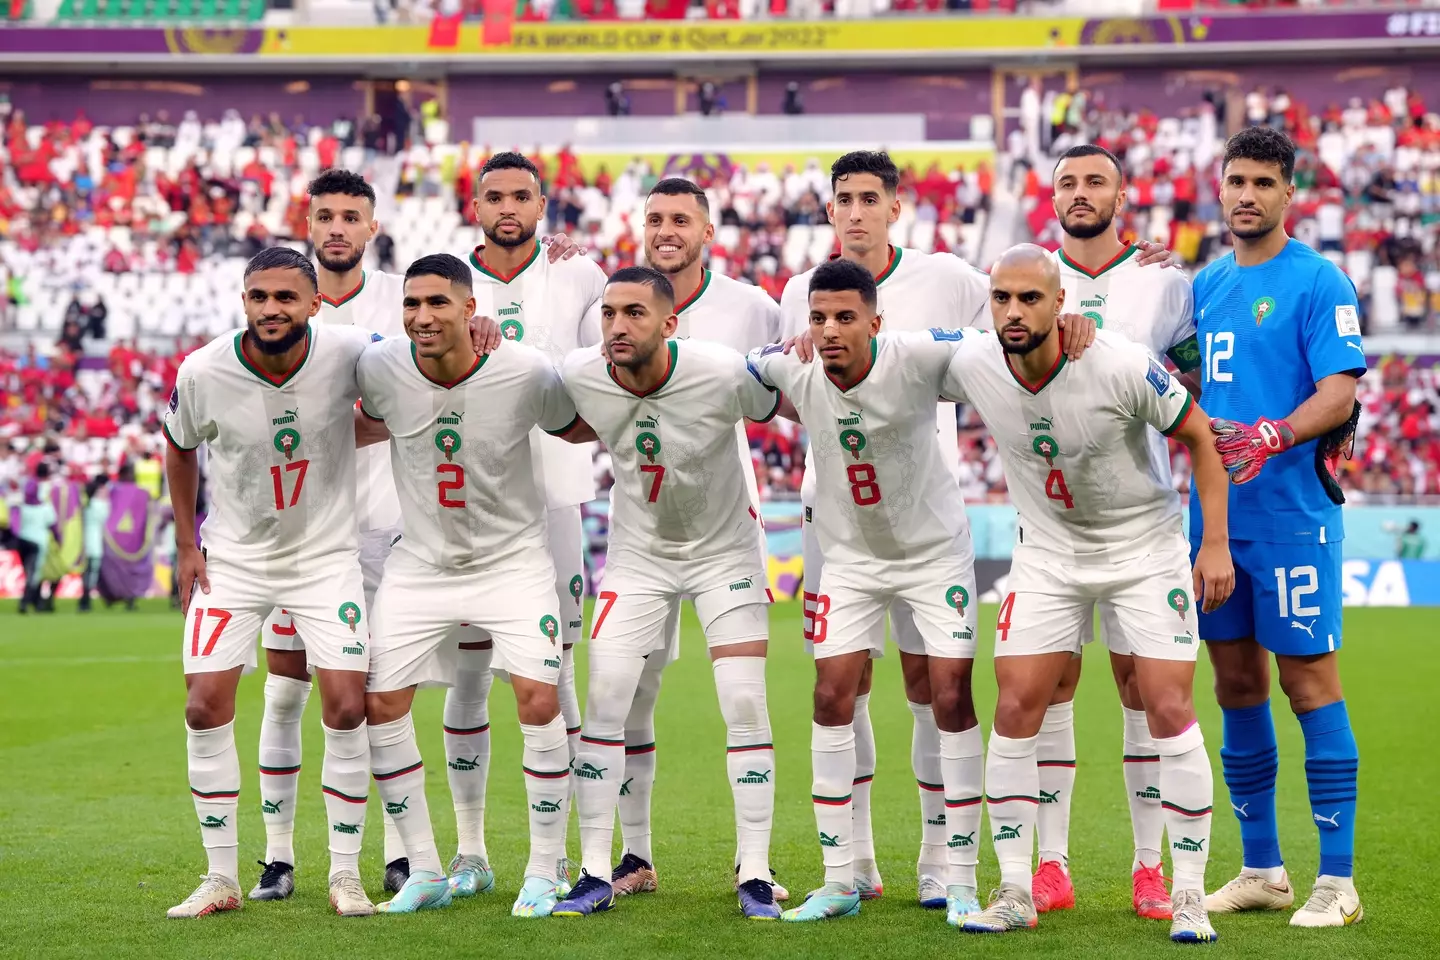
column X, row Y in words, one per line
column 659, row 38
column 694, row 164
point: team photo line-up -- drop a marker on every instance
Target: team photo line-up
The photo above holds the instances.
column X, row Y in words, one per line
column 452, row 411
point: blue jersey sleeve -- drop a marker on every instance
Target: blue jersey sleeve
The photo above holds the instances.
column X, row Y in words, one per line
column 1331, row 335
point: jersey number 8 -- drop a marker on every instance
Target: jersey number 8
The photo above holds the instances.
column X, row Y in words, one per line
column 863, row 488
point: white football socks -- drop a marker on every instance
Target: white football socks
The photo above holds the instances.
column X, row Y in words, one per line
column 280, row 753
column 1142, row 789
column 832, row 759
column 214, row 770
column 962, row 766
column 749, row 759
column 400, row 780
column 1187, row 791
column 864, row 835
column 546, row 759
column 639, row 782
column 1012, row 785
column 345, row 781
column 1055, row 757
column 467, row 748
column 925, row 761
column 600, row 765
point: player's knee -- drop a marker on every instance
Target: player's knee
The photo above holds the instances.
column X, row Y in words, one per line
column 344, row 712
column 834, row 704
column 1129, row 689
column 1169, row 714
column 1235, row 689
column 203, row 715
column 1016, row 716
column 1309, row 690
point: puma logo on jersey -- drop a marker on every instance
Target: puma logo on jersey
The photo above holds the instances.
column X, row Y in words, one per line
column 1096, row 301
column 1044, row 423
column 649, row 423
column 1308, row 628
column 454, row 418
column 290, row 417
column 851, row 420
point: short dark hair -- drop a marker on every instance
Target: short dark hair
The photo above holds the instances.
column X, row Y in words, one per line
column 442, row 265
column 283, row 258
column 680, row 187
column 1263, row 145
column 509, row 160
column 1088, row 150
column 839, row 275
column 343, row 182
column 874, row 162
column 650, row 277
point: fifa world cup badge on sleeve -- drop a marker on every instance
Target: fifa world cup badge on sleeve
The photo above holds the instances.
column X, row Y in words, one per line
column 1347, row 320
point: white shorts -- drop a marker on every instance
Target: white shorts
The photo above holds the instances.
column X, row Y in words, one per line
column 567, row 552
column 642, row 594
column 324, row 603
column 936, row 597
column 419, row 607
column 279, row 631
column 1052, row 599
column 1110, row 629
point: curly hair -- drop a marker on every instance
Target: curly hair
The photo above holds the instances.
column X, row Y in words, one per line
column 1263, row 145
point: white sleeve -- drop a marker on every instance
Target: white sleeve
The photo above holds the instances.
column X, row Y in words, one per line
column 758, row 400
column 774, row 368
column 557, row 410
column 794, row 309
column 774, row 321
column 183, row 425
column 1183, row 347
column 961, row 363
column 972, row 297
column 928, row 352
column 1149, row 391
column 369, row 375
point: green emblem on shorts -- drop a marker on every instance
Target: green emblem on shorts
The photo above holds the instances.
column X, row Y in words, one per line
column 1262, row 308
column 1179, row 601
column 649, row 446
column 349, row 615
column 1099, row 320
column 448, row 442
column 550, row 627
column 287, row 441
column 958, row 597
column 577, row 586
column 1046, row 447
column 854, row 441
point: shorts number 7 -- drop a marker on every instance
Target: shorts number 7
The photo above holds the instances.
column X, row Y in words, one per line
column 607, row 597
column 223, row 616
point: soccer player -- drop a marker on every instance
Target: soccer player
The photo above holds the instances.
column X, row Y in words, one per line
column 1281, row 335
column 1097, row 522
column 275, row 405
column 916, row 291
column 1104, row 279
column 473, row 550
column 742, row 317
column 553, row 307
column 892, row 529
column 681, row 526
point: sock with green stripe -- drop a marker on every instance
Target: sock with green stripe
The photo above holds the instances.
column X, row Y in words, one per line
column 639, row 781
column 285, row 701
column 925, row 761
column 467, row 747
column 214, row 768
column 400, row 780
column 749, row 759
column 864, row 835
column 962, row 766
column 600, row 764
column 345, row 781
column 1055, row 758
column 1012, row 788
column 832, row 761
column 546, row 759
column 1187, row 789
column 1142, row 789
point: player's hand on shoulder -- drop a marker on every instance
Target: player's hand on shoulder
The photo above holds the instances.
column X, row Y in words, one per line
column 1213, row 575
column 1157, row 254
column 559, row 247
column 485, row 335
column 1077, row 332
column 801, row 345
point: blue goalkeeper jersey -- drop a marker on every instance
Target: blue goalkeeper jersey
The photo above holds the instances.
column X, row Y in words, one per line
column 1267, row 335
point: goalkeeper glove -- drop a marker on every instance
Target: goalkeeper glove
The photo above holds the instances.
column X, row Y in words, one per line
column 1336, row 444
column 1244, row 448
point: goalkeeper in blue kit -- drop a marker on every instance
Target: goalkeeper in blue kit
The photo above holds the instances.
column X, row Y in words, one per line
column 1279, row 329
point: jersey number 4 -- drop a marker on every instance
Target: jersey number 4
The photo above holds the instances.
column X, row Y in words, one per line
column 297, row 467
column 1055, row 489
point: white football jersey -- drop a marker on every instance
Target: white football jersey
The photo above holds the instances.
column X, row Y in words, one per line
column 680, row 490
column 882, row 489
column 740, row 316
column 555, row 308
column 1076, row 445
column 378, row 305
column 1151, row 305
column 917, row 291
column 281, row 452
column 461, row 451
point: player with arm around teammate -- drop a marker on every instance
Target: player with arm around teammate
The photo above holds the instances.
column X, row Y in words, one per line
column 275, row 406
column 473, row 551
column 1097, row 522
column 1280, row 330
column 891, row 528
column 682, row 526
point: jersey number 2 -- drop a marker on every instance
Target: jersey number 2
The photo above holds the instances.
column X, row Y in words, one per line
column 452, row 478
column 298, row 467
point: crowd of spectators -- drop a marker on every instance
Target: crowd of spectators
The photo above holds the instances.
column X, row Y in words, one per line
column 1368, row 194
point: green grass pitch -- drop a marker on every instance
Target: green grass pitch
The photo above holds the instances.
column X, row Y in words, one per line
column 98, row 835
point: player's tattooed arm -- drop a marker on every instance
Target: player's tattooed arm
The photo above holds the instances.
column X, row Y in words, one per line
column 1213, row 572
column 182, row 473
column 1077, row 332
column 560, row 247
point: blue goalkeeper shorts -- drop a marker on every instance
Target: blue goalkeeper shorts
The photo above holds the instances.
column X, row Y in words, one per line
column 1287, row 596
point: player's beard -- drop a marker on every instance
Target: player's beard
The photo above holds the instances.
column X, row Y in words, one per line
column 1036, row 338
column 681, row 267
column 519, row 240
column 1261, row 229
column 640, row 354
column 1086, row 231
column 273, row 348
column 340, row 264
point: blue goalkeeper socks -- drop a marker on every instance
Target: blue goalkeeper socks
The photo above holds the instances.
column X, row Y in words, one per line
column 1250, row 759
column 1332, row 766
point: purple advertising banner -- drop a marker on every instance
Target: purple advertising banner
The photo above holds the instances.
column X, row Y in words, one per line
column 1262, row 29
column 130, row 42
